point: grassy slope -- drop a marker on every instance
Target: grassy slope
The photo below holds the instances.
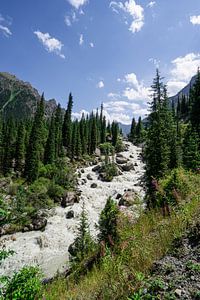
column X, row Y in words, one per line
column 140, row 245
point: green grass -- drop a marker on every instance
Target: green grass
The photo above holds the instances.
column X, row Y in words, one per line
column 140, row 244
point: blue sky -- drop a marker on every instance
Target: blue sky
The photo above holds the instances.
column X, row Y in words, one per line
column 100, row 50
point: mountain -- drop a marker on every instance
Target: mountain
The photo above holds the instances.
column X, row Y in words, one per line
column 125, row 128
column 184, row 92
column 19, row 99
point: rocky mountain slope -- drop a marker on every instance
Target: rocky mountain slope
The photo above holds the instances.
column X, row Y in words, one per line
column 185, row 91
column 18, row 99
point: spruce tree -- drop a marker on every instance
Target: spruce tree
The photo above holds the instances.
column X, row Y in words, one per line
column 83, row 243
column 35, row 143
column 139, row 131
column 132, row 134
column 191, row 155
column 50, row 148
column 58, row 132
column 20, row 148
column 195, row 102
column 67, row 126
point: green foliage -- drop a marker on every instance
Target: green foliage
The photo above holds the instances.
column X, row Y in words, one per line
column 24, row 285
column 83, row 243
column 109, row 170
column 4, row 254
column 108, row 222
column 193, row 266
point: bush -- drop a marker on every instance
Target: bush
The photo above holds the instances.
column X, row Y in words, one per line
column 40, row 186
column 25, row 284
column 109, row 170
column 55, row 191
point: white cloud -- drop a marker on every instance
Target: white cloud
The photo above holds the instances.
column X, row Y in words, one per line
column 5, row 30
column 155, row 61
column 136, row 90
column 151, row 4
column 77, row 3
column 92, row 45
column 71, row 18
column 195, row 20
column 68, row 21
column 4, row 26
column 81, row 40
column 133, row 10
column 78, row 115
column 118, row 79
column 113, row 95
column 123, row 111
column 183, row 68
column 51, row 44
column 100, row 84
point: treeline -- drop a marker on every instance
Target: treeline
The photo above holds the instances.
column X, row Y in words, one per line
column 171, row 141
column 26, row 145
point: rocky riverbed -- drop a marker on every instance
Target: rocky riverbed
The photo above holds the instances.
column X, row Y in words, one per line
column 49, row 249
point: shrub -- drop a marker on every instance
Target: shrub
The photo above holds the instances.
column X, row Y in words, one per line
column 109, row 170
column 55, row 191
column 25, row 284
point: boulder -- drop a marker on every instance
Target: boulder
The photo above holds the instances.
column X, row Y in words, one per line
column 96, row 168
column 93, row 185
column 119, row 155
column 82, row 171
column 70, row 214
column 118, row 196
column 39, row 223
column 121, row 160
column 128, row 167
column 128, row 199
column 89, row 177
column 69, row 199
column 98, row 152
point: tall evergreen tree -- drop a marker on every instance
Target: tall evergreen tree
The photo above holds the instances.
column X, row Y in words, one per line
column 195, row 102
column 132, row 134
column 67, row 126
column 35, row 143
column 50, row 148
column 20, row 148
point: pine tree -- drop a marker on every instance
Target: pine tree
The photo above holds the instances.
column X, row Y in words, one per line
column 158, row 145
column 8, row 146
column 195, row 102
column 67, row 126
column 132, row 134
column 191, row 155
column 83, row 243
column 139, row 131
column 93, row 137
column 20, row 148
column 115, row 133
column 103, row 130
column 35, row 144
column 108, row 222
column 50, row 148
column 58, row 132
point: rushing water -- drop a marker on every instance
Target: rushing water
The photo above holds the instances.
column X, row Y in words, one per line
column 49, row 249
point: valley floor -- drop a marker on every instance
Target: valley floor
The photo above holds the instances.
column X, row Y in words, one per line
column 49, row 249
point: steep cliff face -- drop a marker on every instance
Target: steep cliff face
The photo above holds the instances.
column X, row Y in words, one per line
column 18, row 99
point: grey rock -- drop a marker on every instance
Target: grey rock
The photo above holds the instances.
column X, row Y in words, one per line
column 70, row 214
column 93, row 185
column 69, row 199
column 178, row 292
column 128, row 167
column 121, row 160
column 89, row 177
